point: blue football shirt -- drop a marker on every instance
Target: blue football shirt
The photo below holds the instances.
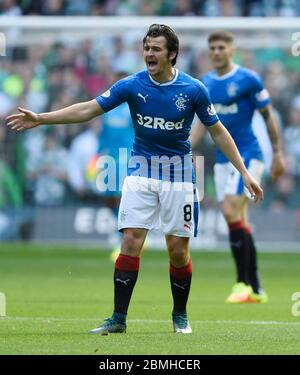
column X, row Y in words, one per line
column 235, row 96
column 162, row 114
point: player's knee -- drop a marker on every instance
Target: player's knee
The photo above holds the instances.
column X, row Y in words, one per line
column 179, row 257
column 230, row 211
column 131, row 243
column 228, row 215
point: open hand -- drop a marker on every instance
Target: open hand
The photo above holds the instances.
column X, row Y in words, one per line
column 22, row 121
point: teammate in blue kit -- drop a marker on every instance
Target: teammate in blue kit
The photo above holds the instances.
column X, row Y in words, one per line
column 159, row 185
column 236, row 93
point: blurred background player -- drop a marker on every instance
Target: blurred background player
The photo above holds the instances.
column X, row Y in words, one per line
column 48, row 172
column 82, row 149
column 116, row 134
column 236, row 92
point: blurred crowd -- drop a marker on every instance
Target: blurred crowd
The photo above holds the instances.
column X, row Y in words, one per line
column 53, row 165
column 206, row 8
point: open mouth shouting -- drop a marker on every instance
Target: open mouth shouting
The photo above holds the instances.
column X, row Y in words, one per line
column 152, row 65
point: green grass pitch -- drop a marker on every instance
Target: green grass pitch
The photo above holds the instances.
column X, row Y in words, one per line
column 55, row 295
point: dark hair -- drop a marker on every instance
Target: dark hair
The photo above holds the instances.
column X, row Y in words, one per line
column 225, row 36
column 156, row 30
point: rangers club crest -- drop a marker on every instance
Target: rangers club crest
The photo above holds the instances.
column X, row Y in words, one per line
column 181, row 101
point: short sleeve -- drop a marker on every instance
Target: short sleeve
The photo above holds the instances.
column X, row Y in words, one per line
column 115, row 95
column 204, row 108
column 259, row 94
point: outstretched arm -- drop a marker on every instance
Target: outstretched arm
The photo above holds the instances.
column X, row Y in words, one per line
column 224, row 141
column 278, row 165
column 75, row 113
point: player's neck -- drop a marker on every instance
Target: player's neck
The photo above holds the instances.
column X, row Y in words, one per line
column 225, row 69
column 164, row 76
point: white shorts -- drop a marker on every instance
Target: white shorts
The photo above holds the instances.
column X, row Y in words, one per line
column 172, row 207
column 228, row 180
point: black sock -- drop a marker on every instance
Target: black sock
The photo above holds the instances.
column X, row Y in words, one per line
column 252, row 267
column 239, row 249
column 125, row 276
column 180, row 279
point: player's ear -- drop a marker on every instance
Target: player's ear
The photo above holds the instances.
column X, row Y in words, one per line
column 172, row 55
